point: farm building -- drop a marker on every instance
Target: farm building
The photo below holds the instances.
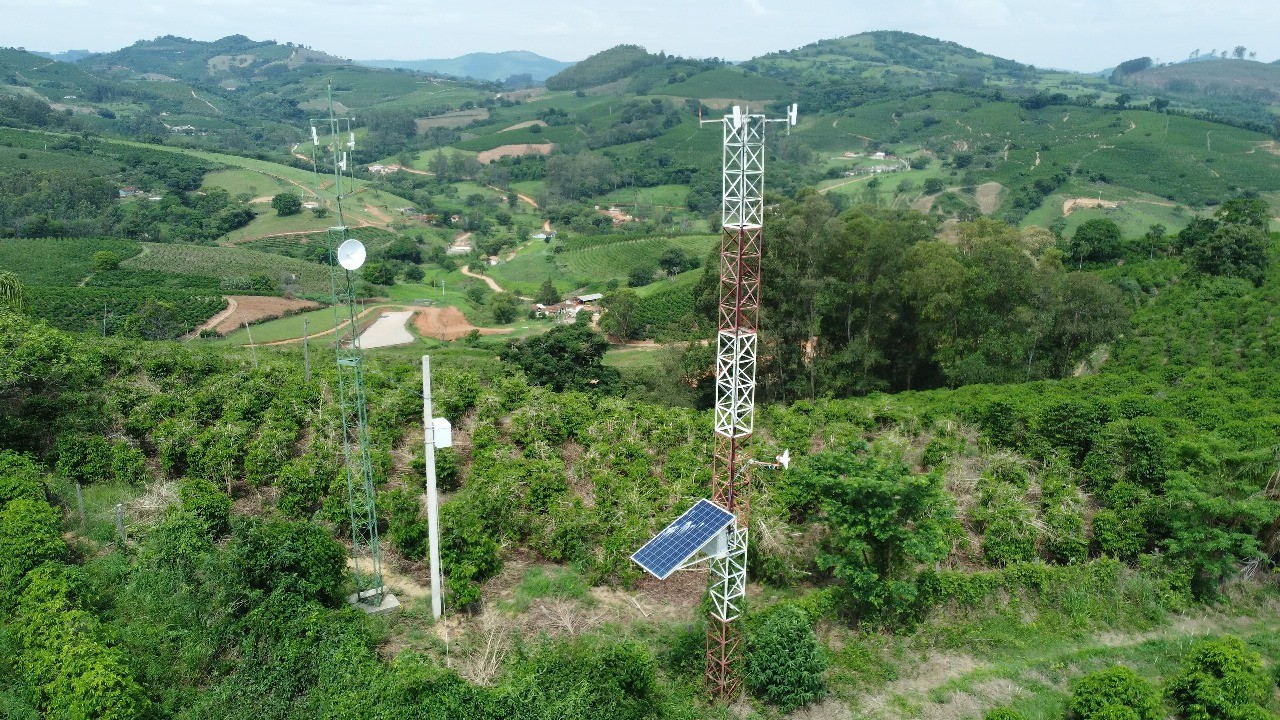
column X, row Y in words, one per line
column 460, row 247
column 584, row 299
column 565, row 312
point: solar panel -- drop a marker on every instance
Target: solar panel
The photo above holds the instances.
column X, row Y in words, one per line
column 682, row 538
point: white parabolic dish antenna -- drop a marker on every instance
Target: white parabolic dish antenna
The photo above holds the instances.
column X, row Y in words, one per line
column 351, row 254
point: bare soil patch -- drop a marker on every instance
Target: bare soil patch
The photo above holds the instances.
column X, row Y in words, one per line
column 1071, row 204
column 502, row 151
column 988, row 197
column 525, row 124
column 1265, row 146
column 253, row 308
column 448, row 323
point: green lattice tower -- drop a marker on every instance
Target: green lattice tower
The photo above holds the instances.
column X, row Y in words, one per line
column 361, row 491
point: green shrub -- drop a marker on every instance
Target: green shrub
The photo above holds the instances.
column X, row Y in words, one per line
column 30, row 534
column 785, row 662
column 301, row 486
column 128, row 464
column 1221, row 679
column 1097, row 694
column 207, row 503
column 298, row 558
column 406, row 525
column 883, row 522
column 84, row 458
column 468, row 553
column 586, row 678
column 20, row 477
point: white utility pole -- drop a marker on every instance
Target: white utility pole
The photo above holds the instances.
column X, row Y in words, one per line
column 436, row 433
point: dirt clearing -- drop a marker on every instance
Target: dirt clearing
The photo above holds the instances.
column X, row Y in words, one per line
column 988, row 196
column 254, row 309
column 448, row 323
column 489, row 156
column 525, row 124
column 1071, row 204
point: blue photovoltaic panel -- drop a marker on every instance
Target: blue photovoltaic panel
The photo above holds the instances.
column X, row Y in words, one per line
column 682, row 538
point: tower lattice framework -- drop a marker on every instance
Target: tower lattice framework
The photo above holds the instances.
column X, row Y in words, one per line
column 366, row 551
column 737, row 344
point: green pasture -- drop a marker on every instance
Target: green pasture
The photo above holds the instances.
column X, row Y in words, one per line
column 285, row 328
column 591, row 266
column 669, row 197
column 623, row 356
column 249, row 182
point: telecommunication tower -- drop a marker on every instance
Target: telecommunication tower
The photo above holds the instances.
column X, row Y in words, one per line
column 742, row 233
column 346, row 255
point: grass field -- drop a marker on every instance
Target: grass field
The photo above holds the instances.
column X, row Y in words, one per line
column 661, row 196
column 591, row 266
column 285, row 328
column 248, row 182
column 622, row 356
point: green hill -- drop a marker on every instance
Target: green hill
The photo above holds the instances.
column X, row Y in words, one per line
column 603, row 67
column 233, row 58
column 1244, row 79
column 899, row 57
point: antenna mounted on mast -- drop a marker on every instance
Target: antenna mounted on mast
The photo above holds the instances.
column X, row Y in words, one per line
column 346, row 255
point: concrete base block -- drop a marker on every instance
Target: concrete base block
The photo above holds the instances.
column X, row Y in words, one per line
column 367, row 599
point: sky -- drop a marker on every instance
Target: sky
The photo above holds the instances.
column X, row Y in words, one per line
column 1083, row 35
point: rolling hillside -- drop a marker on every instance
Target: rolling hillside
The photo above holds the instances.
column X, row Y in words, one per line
column 899, row 57
column 1245, row 79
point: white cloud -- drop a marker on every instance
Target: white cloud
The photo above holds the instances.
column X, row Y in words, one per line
column 755, row 7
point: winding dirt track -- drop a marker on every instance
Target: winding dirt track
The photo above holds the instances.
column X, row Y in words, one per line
column 213, row 321
column 493, row 285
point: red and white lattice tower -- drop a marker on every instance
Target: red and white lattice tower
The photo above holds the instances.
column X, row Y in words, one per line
column 742, row 223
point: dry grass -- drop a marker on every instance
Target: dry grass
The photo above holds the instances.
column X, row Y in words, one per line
column 489, row 156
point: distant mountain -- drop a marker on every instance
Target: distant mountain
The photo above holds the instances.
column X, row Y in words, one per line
column 69, row 56
column 234, row 57
column 482, row 66
column 907, row 58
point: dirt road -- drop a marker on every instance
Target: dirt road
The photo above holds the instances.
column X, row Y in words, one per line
column 493, row 285
column 213, row 321
column 825, row 190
